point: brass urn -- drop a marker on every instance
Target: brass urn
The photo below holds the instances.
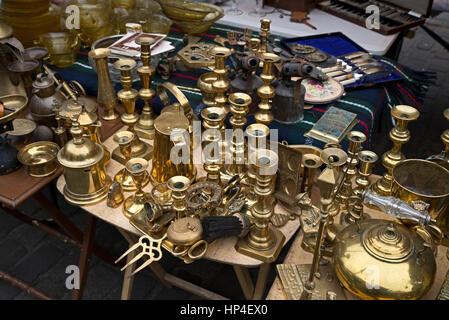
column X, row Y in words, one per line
column 85, row 175
column 383, row 260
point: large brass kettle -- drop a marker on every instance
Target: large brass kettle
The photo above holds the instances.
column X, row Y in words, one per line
column 384, row 260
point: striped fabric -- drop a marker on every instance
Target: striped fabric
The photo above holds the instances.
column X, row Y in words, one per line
column 367, row 103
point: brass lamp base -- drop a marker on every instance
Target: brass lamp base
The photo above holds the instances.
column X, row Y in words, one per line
column 146, row 153
column 268, row 255
column 87, row 199
column 127, row 182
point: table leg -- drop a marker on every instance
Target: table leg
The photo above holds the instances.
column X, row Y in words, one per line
column 86, row 252
column 22, row 285
column 128, row 279
column 261, row 281
column 245, row 281
column 68, row 226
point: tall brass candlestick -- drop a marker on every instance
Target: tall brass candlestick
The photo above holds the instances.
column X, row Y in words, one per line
column 399, row 135
column 263, row 241
column 128, row 97
column 213, row 119
column 239, row 107
column 145, row 125
column 266, row 92
column 106, row 97
column 356, row 138
column 221, row 85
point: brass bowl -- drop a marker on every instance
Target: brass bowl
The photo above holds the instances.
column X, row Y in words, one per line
column 16, row 102
column 39, row 158
column 197, row 27
column 186, row 10
column 424, row 183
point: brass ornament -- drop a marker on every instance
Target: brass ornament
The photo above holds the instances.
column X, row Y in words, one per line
column 263, row 242
column 399, row 135
column 128, row 97
column 137, row 168
column 115, row 195
column 197, row 55
column 106, row 97
column 145, row 126
column 266, row 91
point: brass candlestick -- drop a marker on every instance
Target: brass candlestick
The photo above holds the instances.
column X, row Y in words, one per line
column 124, row 139
column 145, row 125
column 239, row 107
column 311, row 162
column 221, row 85
column 399, row 135
column 106, row 97
column 264, row 34
column 356, row 138
column 212, row 142
column 326, row 182
column 266, row 92
column 263, row 241
column 60, row 132
column 178, row 186
column 137, row 168
column 367, row 160
column 128, row 97
column 443, row 158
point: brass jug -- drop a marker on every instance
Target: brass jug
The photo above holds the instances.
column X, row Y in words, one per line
column 171, row 125
column 44, row 99
column 85, row 175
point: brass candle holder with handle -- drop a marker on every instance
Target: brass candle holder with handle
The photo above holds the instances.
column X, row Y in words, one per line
column 137, row 168
column 128, row 97
column 106, row 97
column 263, row 241
column 266, row 91
column 123, row 177
column 399, row 135
column 145, row 125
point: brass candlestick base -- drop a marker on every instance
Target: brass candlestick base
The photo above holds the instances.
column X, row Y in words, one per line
column 145, row 125
column 399, row 135
column 137, row 168
column 263, row 241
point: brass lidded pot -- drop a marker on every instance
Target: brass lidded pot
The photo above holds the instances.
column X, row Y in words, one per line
column 44, row 99
column 383, row 260
column 85, row 175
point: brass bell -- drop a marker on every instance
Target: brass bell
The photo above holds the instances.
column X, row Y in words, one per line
column 85, row 175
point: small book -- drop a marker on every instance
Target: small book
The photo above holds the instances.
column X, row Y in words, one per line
column 333, row 126
column 127, row 45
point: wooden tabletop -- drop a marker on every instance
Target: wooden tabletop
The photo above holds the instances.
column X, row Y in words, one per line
column 297, row 255
column 18, row 186
column 221, row 250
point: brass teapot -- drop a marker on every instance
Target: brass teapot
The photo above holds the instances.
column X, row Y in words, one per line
column 44, row 99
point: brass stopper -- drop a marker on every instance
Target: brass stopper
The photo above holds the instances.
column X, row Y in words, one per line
column 266, row 92
column 398, row 135
column 178, row 186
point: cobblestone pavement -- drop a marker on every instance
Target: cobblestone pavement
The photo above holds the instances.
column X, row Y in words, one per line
column 41, row 260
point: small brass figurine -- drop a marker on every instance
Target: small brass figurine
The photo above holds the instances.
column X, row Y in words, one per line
column 128, row 97
column 266, row 91
column 137, row 168
column 263, row 241
column 145, row 125
column 115, row 195
column 399, row 135
column 124, row 177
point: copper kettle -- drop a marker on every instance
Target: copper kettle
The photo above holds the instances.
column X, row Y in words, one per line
column 44, row 99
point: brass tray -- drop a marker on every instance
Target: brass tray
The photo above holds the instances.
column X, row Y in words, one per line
column 15, row 101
